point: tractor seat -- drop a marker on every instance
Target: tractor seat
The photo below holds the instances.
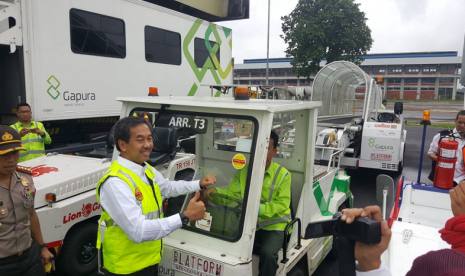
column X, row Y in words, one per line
column 165, row 141
column 387, row 118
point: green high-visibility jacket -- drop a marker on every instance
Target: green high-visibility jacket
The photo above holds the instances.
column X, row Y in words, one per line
column 120, row 254
column 275, row 199
column 34, row 143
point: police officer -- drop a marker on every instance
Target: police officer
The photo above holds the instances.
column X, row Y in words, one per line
column 130, row 194
column 22, row 248
column 33, row 134
column 274, row 213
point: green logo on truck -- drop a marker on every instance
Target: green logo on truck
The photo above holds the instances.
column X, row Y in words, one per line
column 53, row 89
column 212, row 64
column 371, row 142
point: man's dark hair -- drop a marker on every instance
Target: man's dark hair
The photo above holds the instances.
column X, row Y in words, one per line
column 461, row 113
column 23, row 104
column 122, row 128
column 275, row 138
column 384, row 101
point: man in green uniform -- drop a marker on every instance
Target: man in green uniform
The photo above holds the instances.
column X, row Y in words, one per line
column 274, row 212
column 33, row 134
column 22, row 247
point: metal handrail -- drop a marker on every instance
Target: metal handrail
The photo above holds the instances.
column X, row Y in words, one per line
column 299, row 245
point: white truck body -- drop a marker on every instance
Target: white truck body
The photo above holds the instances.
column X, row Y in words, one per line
column 61, row 82
column 419, row 213
column 317, row 191
column 377, row 140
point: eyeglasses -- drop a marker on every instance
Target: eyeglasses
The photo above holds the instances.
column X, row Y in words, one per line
column 24, row 112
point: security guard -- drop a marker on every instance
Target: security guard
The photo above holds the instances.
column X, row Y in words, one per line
column 130, row 195
column 33, row 134
column 19, row 254
column 274, row 213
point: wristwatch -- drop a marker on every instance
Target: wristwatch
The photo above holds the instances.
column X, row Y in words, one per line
column 184, row 219
column 44, row 245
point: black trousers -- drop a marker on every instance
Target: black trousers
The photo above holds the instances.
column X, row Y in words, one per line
column 268, row 244
column 148, row 271
column 29, row 263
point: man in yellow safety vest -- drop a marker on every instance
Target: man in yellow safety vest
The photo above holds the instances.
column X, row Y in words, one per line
column 130, row 194
column 274, row 212
column 33, row 134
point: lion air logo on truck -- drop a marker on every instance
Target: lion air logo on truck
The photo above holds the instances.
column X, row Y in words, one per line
column 86, row 211
column 53, row 92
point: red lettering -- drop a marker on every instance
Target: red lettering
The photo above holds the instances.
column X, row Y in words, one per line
column 96, row 206
column 175, row 257
column 73, row 216
column 65, row 221
column 199, row 263
column 218, row 269
column 205, row 266
column 180, row 258
column 193, row 261
column 212, row 267
column 187, row 261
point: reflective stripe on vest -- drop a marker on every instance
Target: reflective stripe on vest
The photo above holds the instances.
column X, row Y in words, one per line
column 26, row 153
column 272, row 185
column 286, row 218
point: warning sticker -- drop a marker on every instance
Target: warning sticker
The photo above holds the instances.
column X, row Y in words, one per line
column 446, row 165
column 238, row 161
column 447, row 153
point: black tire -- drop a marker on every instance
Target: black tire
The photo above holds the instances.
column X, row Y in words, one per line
column 296, row 271
column 78, row 256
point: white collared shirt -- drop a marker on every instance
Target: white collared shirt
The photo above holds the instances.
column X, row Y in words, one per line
column 459, row 173
column 383, row 270
column 117, row 198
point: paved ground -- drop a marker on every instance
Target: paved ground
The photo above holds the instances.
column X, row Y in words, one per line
column 413, row 111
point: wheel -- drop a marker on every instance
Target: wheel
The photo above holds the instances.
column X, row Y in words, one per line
column 296, row 271
column 78, row 255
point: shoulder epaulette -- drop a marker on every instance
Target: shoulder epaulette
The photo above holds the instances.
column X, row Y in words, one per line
column 24, row 169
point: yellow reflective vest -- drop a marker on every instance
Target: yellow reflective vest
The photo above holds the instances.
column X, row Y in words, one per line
column 275, row 199
column 120, row 254
column 34, row 143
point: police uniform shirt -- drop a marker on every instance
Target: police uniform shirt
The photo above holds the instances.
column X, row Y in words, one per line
column 16, row 203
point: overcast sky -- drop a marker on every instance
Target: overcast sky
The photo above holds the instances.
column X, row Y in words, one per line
column 396, row 26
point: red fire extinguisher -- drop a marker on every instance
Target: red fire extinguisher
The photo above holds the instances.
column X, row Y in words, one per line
column 445, row 164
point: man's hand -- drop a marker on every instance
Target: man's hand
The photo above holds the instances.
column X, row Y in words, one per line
column 457, row 198
column 208, row 180
column 369, row 256
column 37, row 131
column 47, row 257
column 24, row 131
column 196, row 209
column 209, row 191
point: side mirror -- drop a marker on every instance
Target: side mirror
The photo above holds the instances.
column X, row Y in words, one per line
column 398, row 108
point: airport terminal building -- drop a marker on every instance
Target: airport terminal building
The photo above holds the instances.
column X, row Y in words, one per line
column 424, row 75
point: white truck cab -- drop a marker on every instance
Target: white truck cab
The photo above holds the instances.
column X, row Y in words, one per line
column 231, row 135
